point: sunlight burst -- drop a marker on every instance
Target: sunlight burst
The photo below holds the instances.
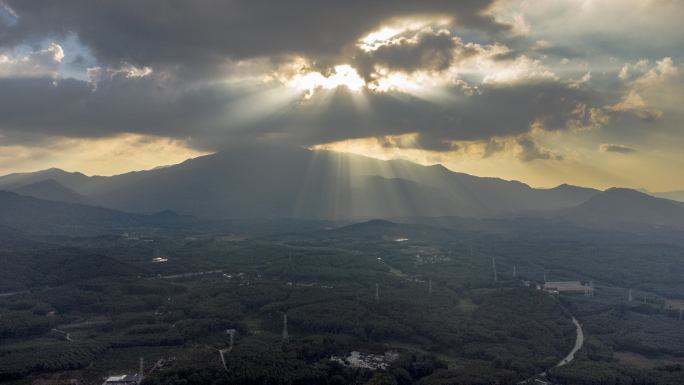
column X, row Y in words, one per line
column 344, row 75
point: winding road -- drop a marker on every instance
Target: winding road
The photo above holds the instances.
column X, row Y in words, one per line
column 67, row 334
column 578, row 345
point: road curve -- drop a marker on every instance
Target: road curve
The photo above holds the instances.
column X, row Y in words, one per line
column 578, row 344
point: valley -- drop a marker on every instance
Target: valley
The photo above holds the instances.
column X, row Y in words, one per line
column 450, row 319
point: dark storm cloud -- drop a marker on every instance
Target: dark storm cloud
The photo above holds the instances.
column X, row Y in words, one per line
column 493, row 147
column 163, row 106
column 149, row 106
column 183, row 42
column 143, row 105
column 531, row 151
column 427, row 50
column 206, row 31
column 498, row 111
column 617, row 148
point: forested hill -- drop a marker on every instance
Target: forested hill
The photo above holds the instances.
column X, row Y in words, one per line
column 52, row 190
column 456, row 305
column 619, row 205
column 49, row 217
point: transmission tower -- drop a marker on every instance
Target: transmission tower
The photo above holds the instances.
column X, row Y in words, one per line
column 377, row 294
column 285, row 335
column 231, row 332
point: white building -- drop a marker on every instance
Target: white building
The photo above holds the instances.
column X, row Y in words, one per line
column 123, row 380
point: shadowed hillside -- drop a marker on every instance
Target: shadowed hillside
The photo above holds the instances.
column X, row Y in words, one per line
column 267, row 182
column 620, row 205
column 52, row 190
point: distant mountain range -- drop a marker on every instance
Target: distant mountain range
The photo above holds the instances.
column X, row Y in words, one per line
column 281, row 182
column 677, row 195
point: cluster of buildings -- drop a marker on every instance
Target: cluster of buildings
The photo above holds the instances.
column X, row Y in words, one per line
column 367, row 361
column 570, row 287
column 159, row 276
column 425, row 255
column 429, row 259
column 230, row 276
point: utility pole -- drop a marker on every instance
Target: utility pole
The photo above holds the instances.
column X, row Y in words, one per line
column 495, row 279
column 141, row 369
column 377, row 294
column 493, row 263
column 430, row 285
column 514, row 272
column 630, row 295
column 285, row 335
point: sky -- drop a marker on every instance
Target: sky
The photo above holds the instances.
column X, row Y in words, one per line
column 588, row 92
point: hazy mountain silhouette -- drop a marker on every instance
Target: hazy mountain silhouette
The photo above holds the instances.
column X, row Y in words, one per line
column 40, row 216
column 620, row 205
column 51, row 190
column 33, row 214
column 298, row 183
column 677, row 195
column 263, row 182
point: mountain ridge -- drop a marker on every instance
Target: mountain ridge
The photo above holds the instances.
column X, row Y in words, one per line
column 269, row 181
column 622, row 205
column 51, row 190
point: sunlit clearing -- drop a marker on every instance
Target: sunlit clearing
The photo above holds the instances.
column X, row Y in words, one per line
column 344, row 75
column 381, row 35
column 260, row 105
column 331, row 176
column 398, row 26
column 385, row 148
column 417, row 83
column 104, row 156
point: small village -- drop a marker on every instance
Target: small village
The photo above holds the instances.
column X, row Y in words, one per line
column 430, row 259
column 367, row 361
